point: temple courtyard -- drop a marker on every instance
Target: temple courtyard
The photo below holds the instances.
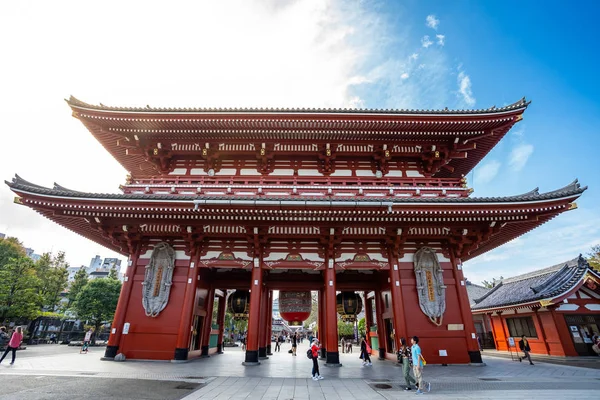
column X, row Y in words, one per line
column 51, row 371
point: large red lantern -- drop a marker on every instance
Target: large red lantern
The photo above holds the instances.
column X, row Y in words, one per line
column 238, row 304
column 295, row 307
column 349, row 305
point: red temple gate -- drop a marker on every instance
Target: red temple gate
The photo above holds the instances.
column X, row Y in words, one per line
column 325, row 200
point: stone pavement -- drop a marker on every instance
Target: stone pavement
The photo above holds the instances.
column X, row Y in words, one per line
column 285, row 377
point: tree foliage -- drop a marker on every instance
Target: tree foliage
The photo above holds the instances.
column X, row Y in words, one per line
column 594, row 257
column 10, row 248
column 489, row 285
column 345, row 329
column 53, row 275
column 361, row 327
column 79, row 281
column 97, row 301
column 113, row 273
column 19, row 296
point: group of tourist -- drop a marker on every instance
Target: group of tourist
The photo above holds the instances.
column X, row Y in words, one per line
column 13, row 343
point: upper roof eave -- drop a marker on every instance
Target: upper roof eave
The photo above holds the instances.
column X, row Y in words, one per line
column 574, row 189
column 521, row 104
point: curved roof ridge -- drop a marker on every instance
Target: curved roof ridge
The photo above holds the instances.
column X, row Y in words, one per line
column 64, row 189
column 17, row 180
column 522, row 103
column 551, row 281
column 485, row 296
column 540, row 272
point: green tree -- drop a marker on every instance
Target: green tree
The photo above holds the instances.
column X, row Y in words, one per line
column 10, row 247
column 345, row 329
column 53, row 274
column 361, row 327
column 79, row 281
column 489, row 285
column 594, row 257
column 97, row 301
column 113, row 273
column 18, row 289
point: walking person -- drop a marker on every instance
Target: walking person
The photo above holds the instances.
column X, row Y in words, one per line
column 343, row 344
column 86, row 341
column 365, row 352
column 405, row 357
column 524, row 346
column 418, row 364
column 294, row 343
column 278, row 343
column 315, row 347
column 13, row 344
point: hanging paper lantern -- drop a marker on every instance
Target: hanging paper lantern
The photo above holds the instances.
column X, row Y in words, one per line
column 349, row 305
column 238, row 304
column 295, row 307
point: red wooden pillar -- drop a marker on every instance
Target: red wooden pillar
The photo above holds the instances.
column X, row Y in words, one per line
column 185, row 321
column 465, row 311
column 368, row 317
column 331, row 334
column 321, row 324
column 397, row 301
column 262, row 336
column 251, row 357
column 114, row 339
column 563, row 332
column 207, row 326
column 542, row 331
column 381, row 335
column 270, row 323
column 221, row 321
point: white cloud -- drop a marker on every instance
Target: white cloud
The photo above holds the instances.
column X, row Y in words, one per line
column 464, row 88
column 404, row 76
column 487, row 172
column 519, row 156
column 432, row 22
column 425, row 41
column 441, row 39
column 414, row 56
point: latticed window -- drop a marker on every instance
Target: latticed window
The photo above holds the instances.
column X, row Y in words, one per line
column 518, row 327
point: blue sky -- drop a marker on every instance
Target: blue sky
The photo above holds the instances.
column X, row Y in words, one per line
column 373, row 54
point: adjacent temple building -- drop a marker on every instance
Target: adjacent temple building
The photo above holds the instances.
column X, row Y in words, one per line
column 326, row 200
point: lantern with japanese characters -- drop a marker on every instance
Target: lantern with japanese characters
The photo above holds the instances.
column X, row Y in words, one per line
column 295, row 307
column 349, row 305
column 238, row 304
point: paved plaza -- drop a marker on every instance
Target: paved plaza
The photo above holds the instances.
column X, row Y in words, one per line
column 45, row 372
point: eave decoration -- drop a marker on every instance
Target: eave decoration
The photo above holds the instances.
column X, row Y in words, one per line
column 158, row 279
column 430, row 285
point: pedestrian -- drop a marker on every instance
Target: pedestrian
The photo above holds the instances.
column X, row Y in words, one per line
column 243, row 341
column 86, row 341
column 343, row 345
column 405, row 357
column 418, row 364
column 13, row 344
column 4, row 338
column 479, row 342
column 524, row 346
column 278, row 343
column 349, row 346
column 365, row 352
column 294, row 343
column 316, row 375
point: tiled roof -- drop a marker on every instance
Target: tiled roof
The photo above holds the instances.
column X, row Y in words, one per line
column 475, row 292
column 533, row 286
column 521, row 104
column 19, row 183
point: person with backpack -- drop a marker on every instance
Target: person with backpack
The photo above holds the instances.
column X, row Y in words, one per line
column 365, row 352
column 313, row 353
